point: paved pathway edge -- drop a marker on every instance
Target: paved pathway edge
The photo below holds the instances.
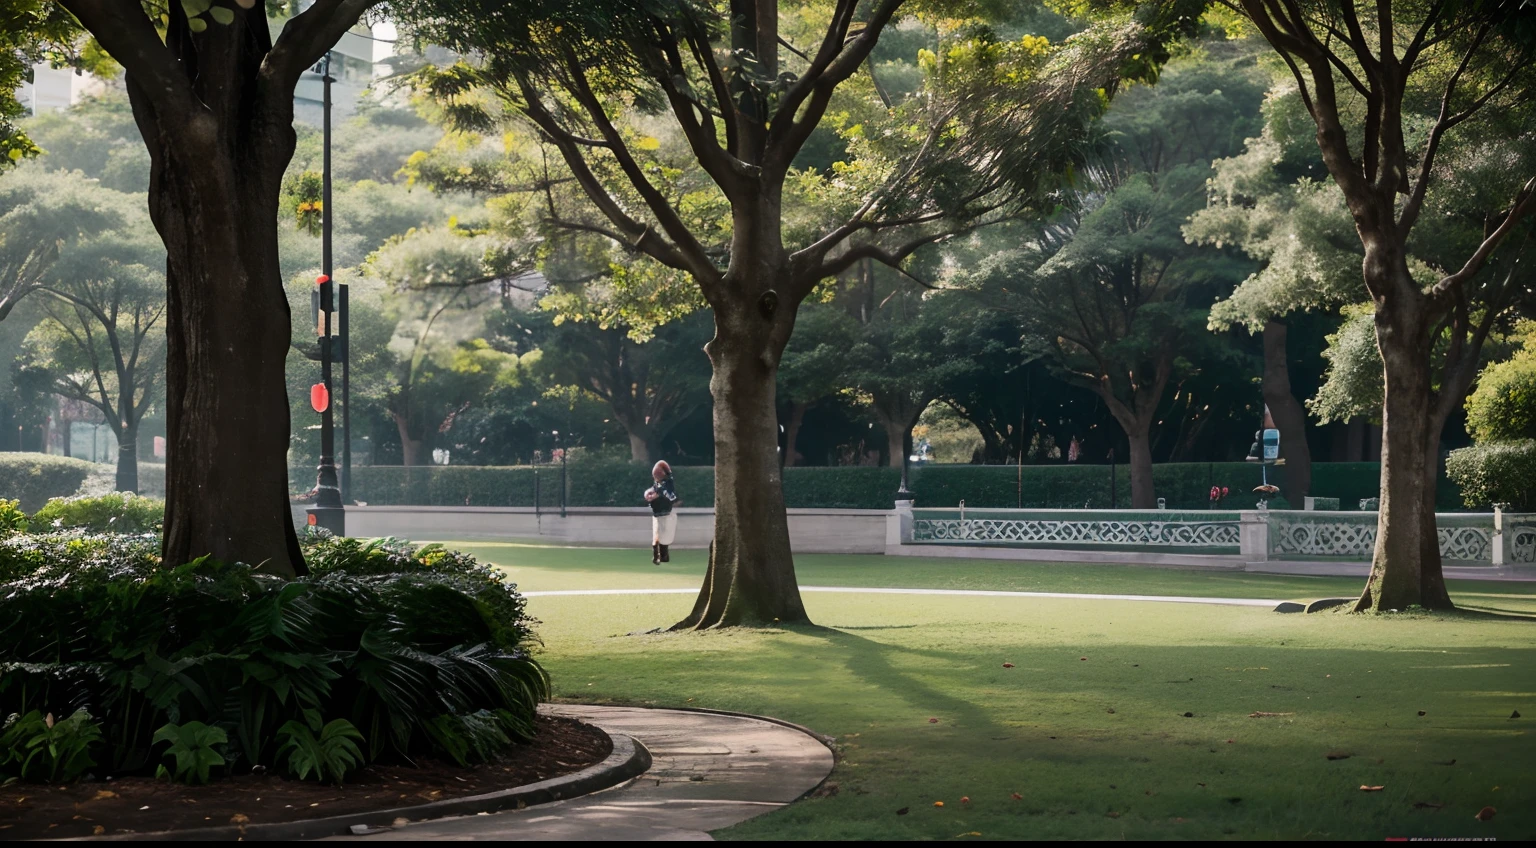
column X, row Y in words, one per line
column 629, row 759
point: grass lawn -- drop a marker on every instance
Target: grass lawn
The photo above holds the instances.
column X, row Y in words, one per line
column 1089, row 727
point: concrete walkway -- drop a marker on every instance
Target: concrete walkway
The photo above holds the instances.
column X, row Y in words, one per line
column 708, row 771
column 980, row 593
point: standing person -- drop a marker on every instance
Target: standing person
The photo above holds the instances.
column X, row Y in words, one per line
column 662, row 497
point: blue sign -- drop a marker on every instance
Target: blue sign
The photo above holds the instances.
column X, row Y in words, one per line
column 1271, row 445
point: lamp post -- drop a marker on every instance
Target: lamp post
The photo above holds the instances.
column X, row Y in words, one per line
column 556, row 434
column 328, row 512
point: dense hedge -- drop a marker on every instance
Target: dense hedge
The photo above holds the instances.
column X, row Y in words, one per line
column 1500, row 472
column 406, row 652
column 600, row 483
column 33, row 478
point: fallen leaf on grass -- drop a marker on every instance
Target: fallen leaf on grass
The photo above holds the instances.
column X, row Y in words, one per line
column 1364, row 788
column 1084, row 659
column 1189, row 715
column 933, row 721
column 1111, row 711
column 1515, row 714
column 902, row 811
column 1112, row 814
column 1268, row 715
column 938, row 803
column 1007, row 665
column 1485, row 814
column 1337, row 755
column 98, row 830
column 972, row 833
column 1421, row 712
column 1426, row 805
column 965, row 799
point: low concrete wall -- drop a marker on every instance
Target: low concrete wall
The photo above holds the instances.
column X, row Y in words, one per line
column 840, row 531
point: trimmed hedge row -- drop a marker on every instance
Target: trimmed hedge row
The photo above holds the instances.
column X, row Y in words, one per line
column 33, row 478
column 1499, row 472
column 601, row 483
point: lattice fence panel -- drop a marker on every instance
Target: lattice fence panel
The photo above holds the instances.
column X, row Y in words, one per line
column 1081, row 532
column 1357, row 540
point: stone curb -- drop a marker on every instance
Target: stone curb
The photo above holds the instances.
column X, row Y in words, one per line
column 629, row 759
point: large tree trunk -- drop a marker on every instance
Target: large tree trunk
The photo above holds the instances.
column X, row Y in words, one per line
column 227, row 334
column 751, row 576
column 1143, row 496
column 895, row 443
column 1289, row 416
column 792, row 431
column 127, row 460
column 1405, row 567
column 640, row 449
column 411, row 448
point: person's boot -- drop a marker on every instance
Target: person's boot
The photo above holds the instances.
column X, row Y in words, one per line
column 656, row 554
column 664, row 556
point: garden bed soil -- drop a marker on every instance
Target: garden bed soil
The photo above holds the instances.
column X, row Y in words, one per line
column 146, row 805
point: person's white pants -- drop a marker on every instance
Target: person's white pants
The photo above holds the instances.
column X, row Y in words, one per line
column 663, row 528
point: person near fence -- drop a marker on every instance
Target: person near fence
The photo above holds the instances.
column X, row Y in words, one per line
column 662, row 496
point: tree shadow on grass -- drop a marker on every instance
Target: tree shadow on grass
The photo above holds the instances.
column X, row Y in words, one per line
column 870, row 662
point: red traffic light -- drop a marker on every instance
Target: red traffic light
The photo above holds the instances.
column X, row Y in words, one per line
column 319, row 397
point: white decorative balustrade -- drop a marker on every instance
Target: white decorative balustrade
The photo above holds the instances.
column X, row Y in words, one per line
column 1206, row 532
column 1465, row 538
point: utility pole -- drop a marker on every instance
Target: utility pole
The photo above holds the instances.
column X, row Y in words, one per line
column 328, row 512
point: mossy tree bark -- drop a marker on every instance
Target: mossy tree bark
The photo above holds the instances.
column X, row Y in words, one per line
column 215, row 107
column 1467, row 58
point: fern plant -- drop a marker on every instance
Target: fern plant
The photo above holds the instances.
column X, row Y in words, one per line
column 328, row 757
column 193, row 748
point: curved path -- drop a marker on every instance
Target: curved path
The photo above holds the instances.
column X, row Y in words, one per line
column 982, row 593
column 708, row 771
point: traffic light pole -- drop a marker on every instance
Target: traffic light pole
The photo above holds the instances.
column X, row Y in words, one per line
column 328, row 512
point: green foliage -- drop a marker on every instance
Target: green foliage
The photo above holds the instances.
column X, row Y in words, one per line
column 328, row 757
column 597, row 483
column 12, row 519
column 195, row 748
column 1503, row 407
column 421, row 634
column 37, row 748
column 118, row 512
column 1498, row 472
column 34, row 478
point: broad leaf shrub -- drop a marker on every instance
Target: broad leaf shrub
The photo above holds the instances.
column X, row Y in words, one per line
column 1498, row 472
column 117, row 512
column 35, row 747
column 12, row 519
column 33, row 478
column 416, row 650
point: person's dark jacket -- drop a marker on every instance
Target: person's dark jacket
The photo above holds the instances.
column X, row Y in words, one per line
column 666, row 497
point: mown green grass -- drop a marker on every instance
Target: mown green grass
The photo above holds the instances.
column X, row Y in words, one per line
column 1097, row 747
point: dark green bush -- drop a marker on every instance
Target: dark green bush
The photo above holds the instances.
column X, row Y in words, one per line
column 33, row 478
column 117, row 512
column 599, row 482
column 1499, row 472
column 36, row 747
column 418, row 651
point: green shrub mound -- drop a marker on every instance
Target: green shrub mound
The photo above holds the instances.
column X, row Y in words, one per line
column 383, row 653
column 609, row 483
column 1499, row 472
column 117, row 512
column 33, row 478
